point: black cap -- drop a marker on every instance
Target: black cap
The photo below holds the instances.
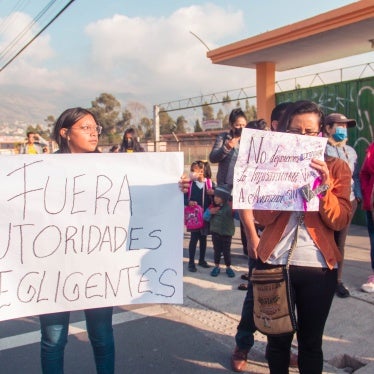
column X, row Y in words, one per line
column 222, row 192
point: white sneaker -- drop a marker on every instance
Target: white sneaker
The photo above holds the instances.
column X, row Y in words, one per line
column 369, row 285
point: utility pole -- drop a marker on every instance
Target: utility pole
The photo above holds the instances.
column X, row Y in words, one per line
column 156, row 124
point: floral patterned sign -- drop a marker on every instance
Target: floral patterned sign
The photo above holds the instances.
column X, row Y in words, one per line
column 273, row 168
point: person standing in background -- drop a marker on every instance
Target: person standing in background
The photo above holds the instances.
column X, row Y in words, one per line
column 200, row 193
column 220, row 217
column 276, row 114
column 335, row 129
column 130, row 142
column 32, row 145
column 225, row 152
column 367, row 183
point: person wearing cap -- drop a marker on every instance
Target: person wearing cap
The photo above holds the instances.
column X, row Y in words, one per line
column 222, row 228
column 335, row 129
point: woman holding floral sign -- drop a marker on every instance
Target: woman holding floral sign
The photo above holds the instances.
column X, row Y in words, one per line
column 313, row 264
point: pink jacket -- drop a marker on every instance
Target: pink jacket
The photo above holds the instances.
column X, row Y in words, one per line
column 334, row 211
column 367, row 177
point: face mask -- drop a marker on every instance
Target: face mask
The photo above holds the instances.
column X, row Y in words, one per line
column 237, row 132
column 340, row 134
column 194, row 176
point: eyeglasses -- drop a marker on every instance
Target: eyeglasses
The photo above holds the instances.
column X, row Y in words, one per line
column 86, row 129
column 298, row 132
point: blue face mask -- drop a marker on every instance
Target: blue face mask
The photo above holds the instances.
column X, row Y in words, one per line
column 340, row 134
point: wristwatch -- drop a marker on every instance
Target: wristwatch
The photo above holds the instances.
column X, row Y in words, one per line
column 321, row 189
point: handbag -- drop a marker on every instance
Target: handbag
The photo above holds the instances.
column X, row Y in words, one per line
column 193, row 215
column 273, row 311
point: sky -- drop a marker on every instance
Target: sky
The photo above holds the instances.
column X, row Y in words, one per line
column 138, row 51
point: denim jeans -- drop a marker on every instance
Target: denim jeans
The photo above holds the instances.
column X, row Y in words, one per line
column 370, row 224
column 54, row 330
column 244, row 336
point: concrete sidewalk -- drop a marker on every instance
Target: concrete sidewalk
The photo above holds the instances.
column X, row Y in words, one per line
column 348, row 341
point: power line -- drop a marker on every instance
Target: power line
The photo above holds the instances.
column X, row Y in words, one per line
column 14, row 42
column 37, row 35
column 19, row 6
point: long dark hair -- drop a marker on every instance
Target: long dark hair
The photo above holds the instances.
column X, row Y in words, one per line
column 66, row 120
column 258, row 124
column 235, row 114
column 203, row 164
column 132, row 145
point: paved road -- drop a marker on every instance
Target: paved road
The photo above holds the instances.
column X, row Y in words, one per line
column 197, row 337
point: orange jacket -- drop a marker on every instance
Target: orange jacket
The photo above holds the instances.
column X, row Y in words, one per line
column 333, row 215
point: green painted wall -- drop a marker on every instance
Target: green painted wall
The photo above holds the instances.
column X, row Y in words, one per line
column 355, row 99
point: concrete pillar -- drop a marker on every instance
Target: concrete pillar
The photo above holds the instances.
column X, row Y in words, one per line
column 265, row 89
column 156, row 127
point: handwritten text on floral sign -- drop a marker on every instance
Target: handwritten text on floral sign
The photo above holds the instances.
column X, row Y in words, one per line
column 271, row 169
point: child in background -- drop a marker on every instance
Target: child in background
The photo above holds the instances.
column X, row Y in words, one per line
column 200, row 192
column 222, row 228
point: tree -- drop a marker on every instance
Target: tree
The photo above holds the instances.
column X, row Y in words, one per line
column 138, row 111
column 123, row 123
column 181, row 122
column 166, row 122
column 147, row 126
column 106, row 108
column 208, row 111
column 197, row 127
column 227, row 103
column 50, row 120
column 220, row 115
column 225, row 122
column 38, row 129
column 250, row 111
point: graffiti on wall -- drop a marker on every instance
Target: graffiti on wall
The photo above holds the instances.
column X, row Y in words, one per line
column 353, row 98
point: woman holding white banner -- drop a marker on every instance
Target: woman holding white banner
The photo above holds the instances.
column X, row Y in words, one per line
column 77, row 131
column 313, row 263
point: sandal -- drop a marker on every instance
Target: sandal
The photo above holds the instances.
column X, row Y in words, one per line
column 216, row 270
column 230, row 273
column 243, row 287
column 245, row 276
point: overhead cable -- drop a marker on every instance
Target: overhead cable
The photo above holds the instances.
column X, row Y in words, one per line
column 37, row 35
column 14, row 42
